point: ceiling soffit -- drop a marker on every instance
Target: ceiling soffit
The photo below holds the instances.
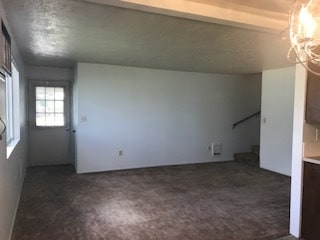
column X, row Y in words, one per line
column 269, row 16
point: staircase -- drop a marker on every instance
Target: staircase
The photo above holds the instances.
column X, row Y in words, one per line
column 249, row 158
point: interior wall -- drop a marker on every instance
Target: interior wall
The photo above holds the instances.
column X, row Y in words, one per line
column 297, row 149
column 277, row 107
column 12, row 170
column 249, row 131
column 129, row 117
column 49, row 73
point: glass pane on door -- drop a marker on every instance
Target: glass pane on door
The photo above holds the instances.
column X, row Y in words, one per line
column 50, row 106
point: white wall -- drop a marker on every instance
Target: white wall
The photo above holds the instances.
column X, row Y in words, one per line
column 277, row 106
column 249, row 131
column 49, row 73
column 297, row 149
column 159, row 117
column 12, row 170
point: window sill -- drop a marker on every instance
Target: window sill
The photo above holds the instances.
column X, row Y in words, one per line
column 11, row 146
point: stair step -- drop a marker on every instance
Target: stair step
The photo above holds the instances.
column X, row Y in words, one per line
column 249, row 158
column 255, row 149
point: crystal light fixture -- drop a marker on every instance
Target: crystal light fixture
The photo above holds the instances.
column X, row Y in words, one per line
column 304, row 30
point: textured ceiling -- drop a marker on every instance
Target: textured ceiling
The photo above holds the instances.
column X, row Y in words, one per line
column 62, row 32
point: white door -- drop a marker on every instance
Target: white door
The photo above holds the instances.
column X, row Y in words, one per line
column 49, row 116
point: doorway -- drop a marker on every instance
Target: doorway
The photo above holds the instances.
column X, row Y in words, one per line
column 49, row 123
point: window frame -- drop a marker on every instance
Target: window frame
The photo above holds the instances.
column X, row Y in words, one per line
column 12, row 108
column 54, row 100
column 9, row 109
column 33, row 83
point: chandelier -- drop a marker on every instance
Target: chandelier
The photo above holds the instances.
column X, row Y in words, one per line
column 304, row 30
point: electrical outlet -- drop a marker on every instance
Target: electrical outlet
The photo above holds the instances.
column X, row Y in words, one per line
column 83, row 119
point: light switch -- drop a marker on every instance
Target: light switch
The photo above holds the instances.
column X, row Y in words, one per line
column 83, row 119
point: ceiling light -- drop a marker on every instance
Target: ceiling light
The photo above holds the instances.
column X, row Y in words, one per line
column 304, row 30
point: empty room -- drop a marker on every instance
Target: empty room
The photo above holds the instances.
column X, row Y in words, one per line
column 138, row 119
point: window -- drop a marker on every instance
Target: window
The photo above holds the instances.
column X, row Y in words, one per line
column 6, row 49
column 9, row 108
column 12, row 108
column 49, row 106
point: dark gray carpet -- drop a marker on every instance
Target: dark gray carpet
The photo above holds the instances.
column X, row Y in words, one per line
column 204, row 201
column 288, row 238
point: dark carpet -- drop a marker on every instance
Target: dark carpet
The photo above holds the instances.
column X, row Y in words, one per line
column 190, row 202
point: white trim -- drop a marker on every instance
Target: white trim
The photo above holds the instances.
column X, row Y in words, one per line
column 11, row 146
column 297, row 151
column 13, row 109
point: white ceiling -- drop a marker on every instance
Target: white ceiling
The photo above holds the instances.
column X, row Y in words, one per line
column 62, row 32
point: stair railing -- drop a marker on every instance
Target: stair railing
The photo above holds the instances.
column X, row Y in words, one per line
column 245, row 119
